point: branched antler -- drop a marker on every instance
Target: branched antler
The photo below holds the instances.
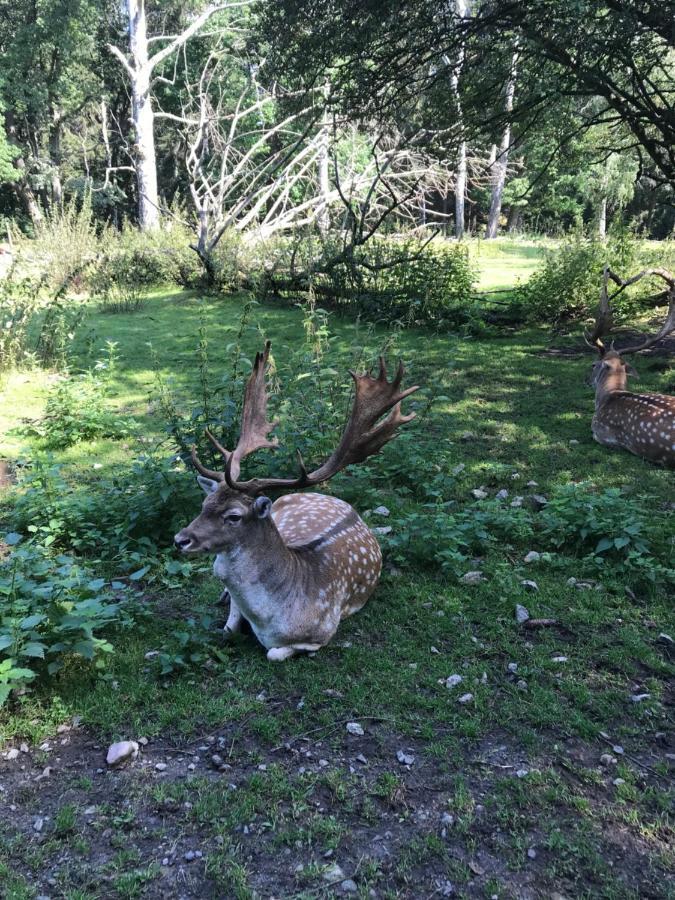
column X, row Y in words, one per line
column 604, row 315
column 254, row 425
column 365, row 433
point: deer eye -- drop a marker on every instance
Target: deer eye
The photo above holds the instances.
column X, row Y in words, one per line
column 232, row 518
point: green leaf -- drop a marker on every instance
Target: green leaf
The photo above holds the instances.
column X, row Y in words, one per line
column 136, row 576
column 31, row 621
column 604, row 544
column 34, row 648
column 13, row 538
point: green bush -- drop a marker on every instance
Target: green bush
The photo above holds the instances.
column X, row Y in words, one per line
column 77, row 408
column 53, row 608
column 567, row 286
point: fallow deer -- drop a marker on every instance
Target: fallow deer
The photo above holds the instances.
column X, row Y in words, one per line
column 296, row 567
column 643, row 424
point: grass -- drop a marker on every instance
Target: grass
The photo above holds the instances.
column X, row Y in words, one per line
column 292, row 797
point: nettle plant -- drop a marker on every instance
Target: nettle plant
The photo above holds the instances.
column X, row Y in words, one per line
column 52, row 610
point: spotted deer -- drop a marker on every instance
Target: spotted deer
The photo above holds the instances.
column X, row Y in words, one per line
column 295, row 567
column 643, row 424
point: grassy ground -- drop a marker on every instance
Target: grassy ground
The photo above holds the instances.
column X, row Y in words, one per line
column 550, row 782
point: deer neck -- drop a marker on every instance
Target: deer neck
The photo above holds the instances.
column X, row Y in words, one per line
column 613, row 382
column 263, row 576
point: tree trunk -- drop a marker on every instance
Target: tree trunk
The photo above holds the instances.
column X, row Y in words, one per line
column 602, row 219
column 501, row 162
column 461, row 8
column 143, row 117
column 513, row 221
column 323, row 220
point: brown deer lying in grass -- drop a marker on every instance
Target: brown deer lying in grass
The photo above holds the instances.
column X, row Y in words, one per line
column 296, row 567
column 643, row 424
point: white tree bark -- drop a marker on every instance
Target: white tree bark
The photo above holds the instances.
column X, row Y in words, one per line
column 139, row 66
column 323, row 219
column 501, row 163
column 462, row 9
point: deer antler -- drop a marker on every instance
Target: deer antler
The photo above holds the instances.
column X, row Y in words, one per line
column 254, row 425
column 363, row 436
column 604, row 319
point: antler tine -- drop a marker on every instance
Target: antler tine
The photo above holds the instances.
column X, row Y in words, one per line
column 363, row 436
column 603, row 317
column 201, row 468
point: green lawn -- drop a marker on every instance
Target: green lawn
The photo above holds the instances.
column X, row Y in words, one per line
column 530, row 809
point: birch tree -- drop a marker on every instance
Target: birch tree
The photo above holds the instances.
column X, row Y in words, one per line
column 501, row 162
column 140, row 65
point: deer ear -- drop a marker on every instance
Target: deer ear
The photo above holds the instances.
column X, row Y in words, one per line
column 630, row 370
column 262, row 507
column 207, row 485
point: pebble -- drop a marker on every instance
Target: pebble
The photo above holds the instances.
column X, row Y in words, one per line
column 406, row 759
column 160, row 767
column 521, row 685
column 165, row 861
column 355, row 728
column 333, row 873
column 559, row 659
column 522, row 614
column 434, row 650
column 447, row 819
column 121, row 752
column 638, row 698
column 38, row 824
column 517, row 502
column 453, row 680
column 502, row 495
column 348, row 886
column 512, row 667
column 383, row 529
column 532, row 853
column 458, row 469
column 23, row 748
column 618, row 782
column 362, row 759
column 532, row 556
column 607, row 760
column 381, row 511
column 217, row 760
column 472, row 578
column 479, row 493
column 12, row 754
column 522, row 773
column 529, row 585
column 465, row 698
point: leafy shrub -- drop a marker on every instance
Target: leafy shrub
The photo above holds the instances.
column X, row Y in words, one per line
column 52, row 608
column 18, row 302
column 77, row 408
column 567, row 286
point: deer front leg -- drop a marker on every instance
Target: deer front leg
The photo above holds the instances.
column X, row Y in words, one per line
column 235, row 618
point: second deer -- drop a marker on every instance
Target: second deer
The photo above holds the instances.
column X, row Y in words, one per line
column 296, row 567
column 643, row 424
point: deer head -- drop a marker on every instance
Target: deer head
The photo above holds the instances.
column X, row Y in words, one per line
column 236, row 512
column 644, row 424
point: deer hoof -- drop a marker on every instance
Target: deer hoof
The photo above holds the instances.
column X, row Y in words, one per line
column 279, row 654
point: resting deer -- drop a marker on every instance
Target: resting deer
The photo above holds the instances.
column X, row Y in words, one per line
column 644, row 424
column 296, row 567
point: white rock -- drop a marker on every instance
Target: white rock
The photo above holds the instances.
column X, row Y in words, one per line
column 355, row 728
column 517, row 502
column 348, row 886
column 522, row 614
column 465, row 698
column 472, row 578
column 12, row 754
column 23, row 748
column 381, row 511
column 532, row 484
column 453, row 680
column 532, row 556
column 333, row 873
column 406, row 759
column 618, row 782
column 160, row 767
column 512, row 667
column 458, row 469
column 522, row 773
column 38, row 824
column 529, row 585
column 607, row 760
column 479, row 493
column 638, row 698
column 559, row 659
column 532, row 853
column 121, row 752
column 503, row 494
column 382, row 529
column 433, row 649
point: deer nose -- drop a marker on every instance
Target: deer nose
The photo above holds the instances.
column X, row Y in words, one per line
column 182, row 542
